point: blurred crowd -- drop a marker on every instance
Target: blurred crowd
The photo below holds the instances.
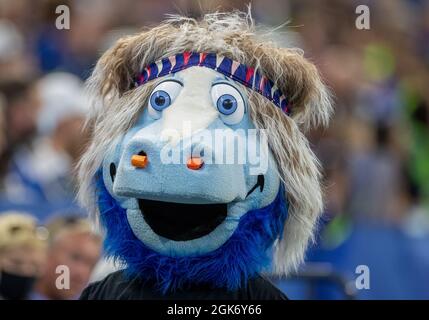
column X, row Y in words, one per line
column 51, row 262
column 375, row 154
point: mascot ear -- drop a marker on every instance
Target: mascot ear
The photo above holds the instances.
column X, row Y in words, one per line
column 115, row 70
column 299, row 79
column 309, row 97
column 112, row 74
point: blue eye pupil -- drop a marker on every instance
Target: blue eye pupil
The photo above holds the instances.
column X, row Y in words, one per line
column 160, row 100
column 226, row 104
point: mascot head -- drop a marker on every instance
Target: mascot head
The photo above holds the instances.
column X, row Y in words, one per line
column 198, row 169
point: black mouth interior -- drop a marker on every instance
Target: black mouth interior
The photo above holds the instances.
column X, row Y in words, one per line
column 180, row 221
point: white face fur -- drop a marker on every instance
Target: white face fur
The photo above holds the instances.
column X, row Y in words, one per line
column 193, row 107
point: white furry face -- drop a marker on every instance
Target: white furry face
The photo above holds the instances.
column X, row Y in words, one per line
column 116, row 110
column 172, row 207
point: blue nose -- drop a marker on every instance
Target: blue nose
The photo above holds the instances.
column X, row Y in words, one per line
column 151, row 169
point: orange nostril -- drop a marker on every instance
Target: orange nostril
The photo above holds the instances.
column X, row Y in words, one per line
column 195, row 163
column 139, row 161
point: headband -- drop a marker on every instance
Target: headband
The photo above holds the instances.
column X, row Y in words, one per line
column 239, row 72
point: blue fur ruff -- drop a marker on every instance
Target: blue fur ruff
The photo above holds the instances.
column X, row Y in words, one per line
column 247, row 252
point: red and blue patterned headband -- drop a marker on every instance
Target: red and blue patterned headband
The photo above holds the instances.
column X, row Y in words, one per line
column 232, row 69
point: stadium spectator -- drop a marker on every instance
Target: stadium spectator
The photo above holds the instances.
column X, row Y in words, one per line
column 73, row 252
column 22, row 254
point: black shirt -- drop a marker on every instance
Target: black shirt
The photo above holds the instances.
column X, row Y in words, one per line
column 116, row 286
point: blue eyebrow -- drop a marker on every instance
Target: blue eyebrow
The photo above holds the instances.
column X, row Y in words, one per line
column 173, row 77
column 221, row 78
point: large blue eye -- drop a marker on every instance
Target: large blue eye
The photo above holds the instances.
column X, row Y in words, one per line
column 229, row 102
column 162, row 97
column 226, row 104
column 160, row 100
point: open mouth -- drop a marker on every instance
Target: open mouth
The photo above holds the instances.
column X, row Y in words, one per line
column 180, row 221
column 183, row 222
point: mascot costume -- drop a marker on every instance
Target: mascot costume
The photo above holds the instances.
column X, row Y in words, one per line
column 180, row 209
